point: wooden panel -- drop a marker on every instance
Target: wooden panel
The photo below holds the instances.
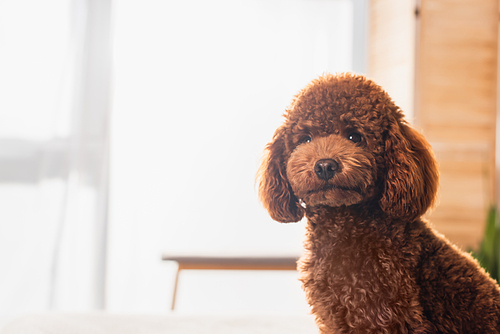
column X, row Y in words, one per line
column 457, row 76
column 391, row 49
column 464, row 192
column 456, row 99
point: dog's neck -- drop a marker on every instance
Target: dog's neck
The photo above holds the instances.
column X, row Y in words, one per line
column 326, row 214
column 368, row 217
column 332, row 231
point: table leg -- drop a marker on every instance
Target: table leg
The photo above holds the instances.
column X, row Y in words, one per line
column 175, row 288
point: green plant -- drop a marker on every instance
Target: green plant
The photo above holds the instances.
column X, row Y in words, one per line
column 488, row 254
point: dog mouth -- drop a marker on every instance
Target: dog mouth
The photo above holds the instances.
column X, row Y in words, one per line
column 333, row 195
column 329, row 187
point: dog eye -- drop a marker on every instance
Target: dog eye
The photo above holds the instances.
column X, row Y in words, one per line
column 306, row 139
column 354, row 137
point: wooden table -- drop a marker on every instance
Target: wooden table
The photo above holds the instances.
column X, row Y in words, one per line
column 229, row 263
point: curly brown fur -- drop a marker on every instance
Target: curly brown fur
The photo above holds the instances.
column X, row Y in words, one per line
column 371, row 265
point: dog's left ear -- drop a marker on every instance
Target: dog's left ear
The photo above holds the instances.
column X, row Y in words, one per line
column 411, row 176
column 275, row 191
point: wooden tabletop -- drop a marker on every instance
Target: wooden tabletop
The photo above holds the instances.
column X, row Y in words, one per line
column 234, row 263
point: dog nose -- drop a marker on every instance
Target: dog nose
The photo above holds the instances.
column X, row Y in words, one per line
column 325, row 169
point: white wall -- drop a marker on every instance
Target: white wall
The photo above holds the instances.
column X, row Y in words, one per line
column 199, row 89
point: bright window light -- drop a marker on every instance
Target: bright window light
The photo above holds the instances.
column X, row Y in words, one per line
column 199, row 89
column 34, row 65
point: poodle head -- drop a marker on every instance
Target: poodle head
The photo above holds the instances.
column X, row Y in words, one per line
column 345, row 142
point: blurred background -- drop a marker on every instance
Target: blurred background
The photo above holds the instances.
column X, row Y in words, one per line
column 131, row 129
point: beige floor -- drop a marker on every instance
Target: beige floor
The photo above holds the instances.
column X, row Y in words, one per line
column 167, row 324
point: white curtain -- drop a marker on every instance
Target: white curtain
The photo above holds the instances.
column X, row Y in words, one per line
column 54, row 115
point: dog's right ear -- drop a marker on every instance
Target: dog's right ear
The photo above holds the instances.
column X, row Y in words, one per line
column 275, row 191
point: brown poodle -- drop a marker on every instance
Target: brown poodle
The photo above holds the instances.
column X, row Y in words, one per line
column 347, row 160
